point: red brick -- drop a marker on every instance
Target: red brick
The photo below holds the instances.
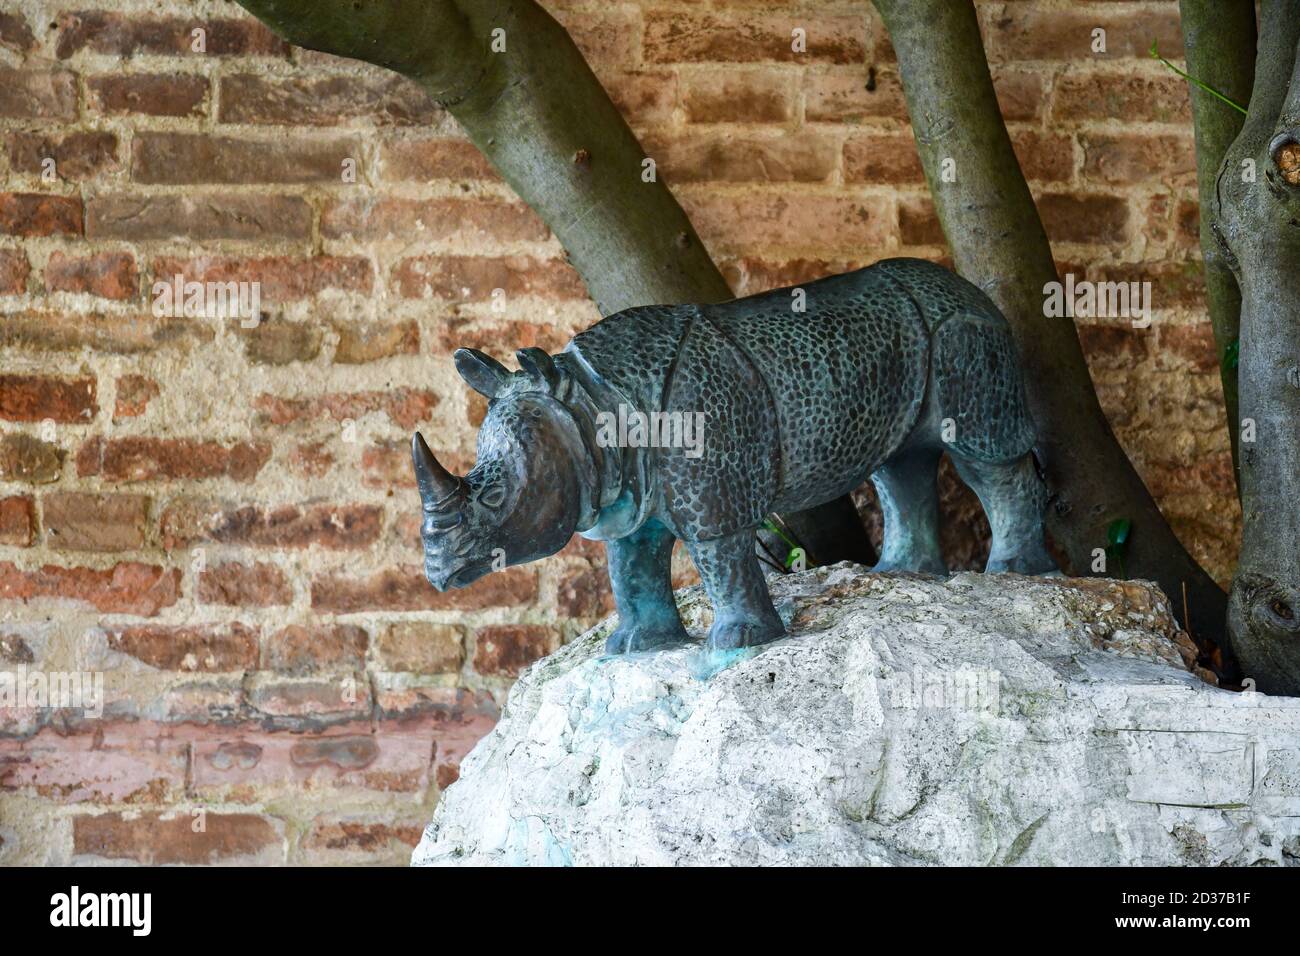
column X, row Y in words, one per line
column 154, row 840
column 421, row 647
column 1114, row 346
column 1027, row 32
column 134, row 393
column 1173, row 284
column 1099, row 96
column 280, row 278
column 27, row 459
column 506, row 649
column 117, row 334
column 882, row 158
column 404, row 588
column 475, row 278
column 34, row 398
column 918, row 224
column 76, row 521
column 38, row 95
column 150, row 94
column 128, row 587
column 371, row 341
column 14, row 269
column 1137, row 157
column 1076, row 217
column 309, row 649
column 17, row 521
column 312, row 459
column 421, row 160
column 848, row 223
column 276, row 341
column 232, row 583
column 325, row 100
column 602, row 36
column 415, row 219
column 204, row 649
column 115, row 763
column 196, row 218
column 15, row 33
column 854, row 96
column 738, row 96
column 366, row 837
column 406, row 407
column 335, row 527
column 748, row 275
column 127, row 35
column 312, row 700
column 674, row 36
column 1021, row 94
column 739, row 157
column 77, row 155
column 34, row 215
column 144, row 458
column 109, row 275
column 1044, row 157
column 585, row 593
column 503, row 336
column 644, row 97
column 188, row 158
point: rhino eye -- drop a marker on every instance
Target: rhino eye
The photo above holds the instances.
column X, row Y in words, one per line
column 492, row 496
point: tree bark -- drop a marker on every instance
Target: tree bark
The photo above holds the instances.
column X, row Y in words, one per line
column 546, row 124
column 1257, row 217
column 1219, row 45
column 998, row 242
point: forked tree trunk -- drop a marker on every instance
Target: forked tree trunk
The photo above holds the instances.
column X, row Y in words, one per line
column 1257, row 217
column 998, row 242
column 513, row 79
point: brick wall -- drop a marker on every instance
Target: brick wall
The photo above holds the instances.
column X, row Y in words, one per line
column 220, row 519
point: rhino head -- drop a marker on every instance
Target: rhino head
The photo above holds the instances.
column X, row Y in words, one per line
column 530, row 487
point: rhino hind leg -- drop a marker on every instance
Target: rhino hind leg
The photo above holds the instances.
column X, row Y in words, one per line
column 640, row 571
column 743, row 615
column 1014, row 499
column 907, row 486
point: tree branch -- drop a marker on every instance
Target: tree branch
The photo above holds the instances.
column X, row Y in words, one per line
column 998, row 242
column 1219, row 44
column 546, row 124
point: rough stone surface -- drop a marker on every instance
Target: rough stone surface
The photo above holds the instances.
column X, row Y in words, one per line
column 978, row 720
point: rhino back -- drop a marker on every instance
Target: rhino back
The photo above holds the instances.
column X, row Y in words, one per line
column 847, row 375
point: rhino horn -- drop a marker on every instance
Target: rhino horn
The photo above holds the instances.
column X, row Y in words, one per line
column 435, row 482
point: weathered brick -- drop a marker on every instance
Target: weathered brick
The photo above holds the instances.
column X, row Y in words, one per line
column 14, row 270
column 602, row 36
column 76, row 156
column 1098, row 96
column 1190, row 344
column 406, row 407
column 145, row 458
column 422, row 160
column 476, row 278
column 738, row 96
column 188, row 522
column 127, row 35
column 832, row 222
column 740, row 157
column 414, row 219
column 128, row 587
column 1083, row 217
column 644, row 97
column 371, row 341
column 275, row 341
column 325, row 100
column 372, row 839
column 1044, row 157
column 117, row 334
column 109, row 275
column 312, row 459
column 195, row 218
column 882, row 158
column 676, row 36
column 308, row 649
column 1021, row 93
column 134, row 393
column 77, row 521
column 15, row 33
column 748, row 275
column 17, row 521
column 1114, row 346
column 348, row 698
column 845, row 96
column 34, row 215
column 506, row 649
column 279, row 278
column 233, row 583
column 1022, row 31
column 404, row 588
column 38, row 94
column 1137, row 157
column 116, row 763
column 198, row 648
column 918, row 225
column 503, row 336
column 155, row 839
column 15, row 650
column 34, row 398
column 585, row 593
column 150, row 94
column 28, row 459
column 192, row 158
column 421, row 647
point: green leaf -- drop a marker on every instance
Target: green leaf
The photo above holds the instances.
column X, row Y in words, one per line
column 1155, row 54
column 1117, row 532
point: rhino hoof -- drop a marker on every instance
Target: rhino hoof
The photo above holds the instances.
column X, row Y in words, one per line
column 630, row 639
column 726, row 635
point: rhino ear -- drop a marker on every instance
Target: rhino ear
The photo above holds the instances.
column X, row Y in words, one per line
column 539, row 366
column 483, row 373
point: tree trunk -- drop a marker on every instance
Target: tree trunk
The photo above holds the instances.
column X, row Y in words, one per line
column 1257, row 217
column 513, row 79
column 1219, row 44
column 998, row 242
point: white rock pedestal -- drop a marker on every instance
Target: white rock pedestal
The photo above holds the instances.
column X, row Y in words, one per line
column 978, row 720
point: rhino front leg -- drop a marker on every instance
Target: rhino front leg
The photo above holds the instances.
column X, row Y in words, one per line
column 743, row 615
column 640, row 570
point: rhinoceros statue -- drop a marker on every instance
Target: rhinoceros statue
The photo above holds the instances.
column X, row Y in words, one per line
column 695, row 422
